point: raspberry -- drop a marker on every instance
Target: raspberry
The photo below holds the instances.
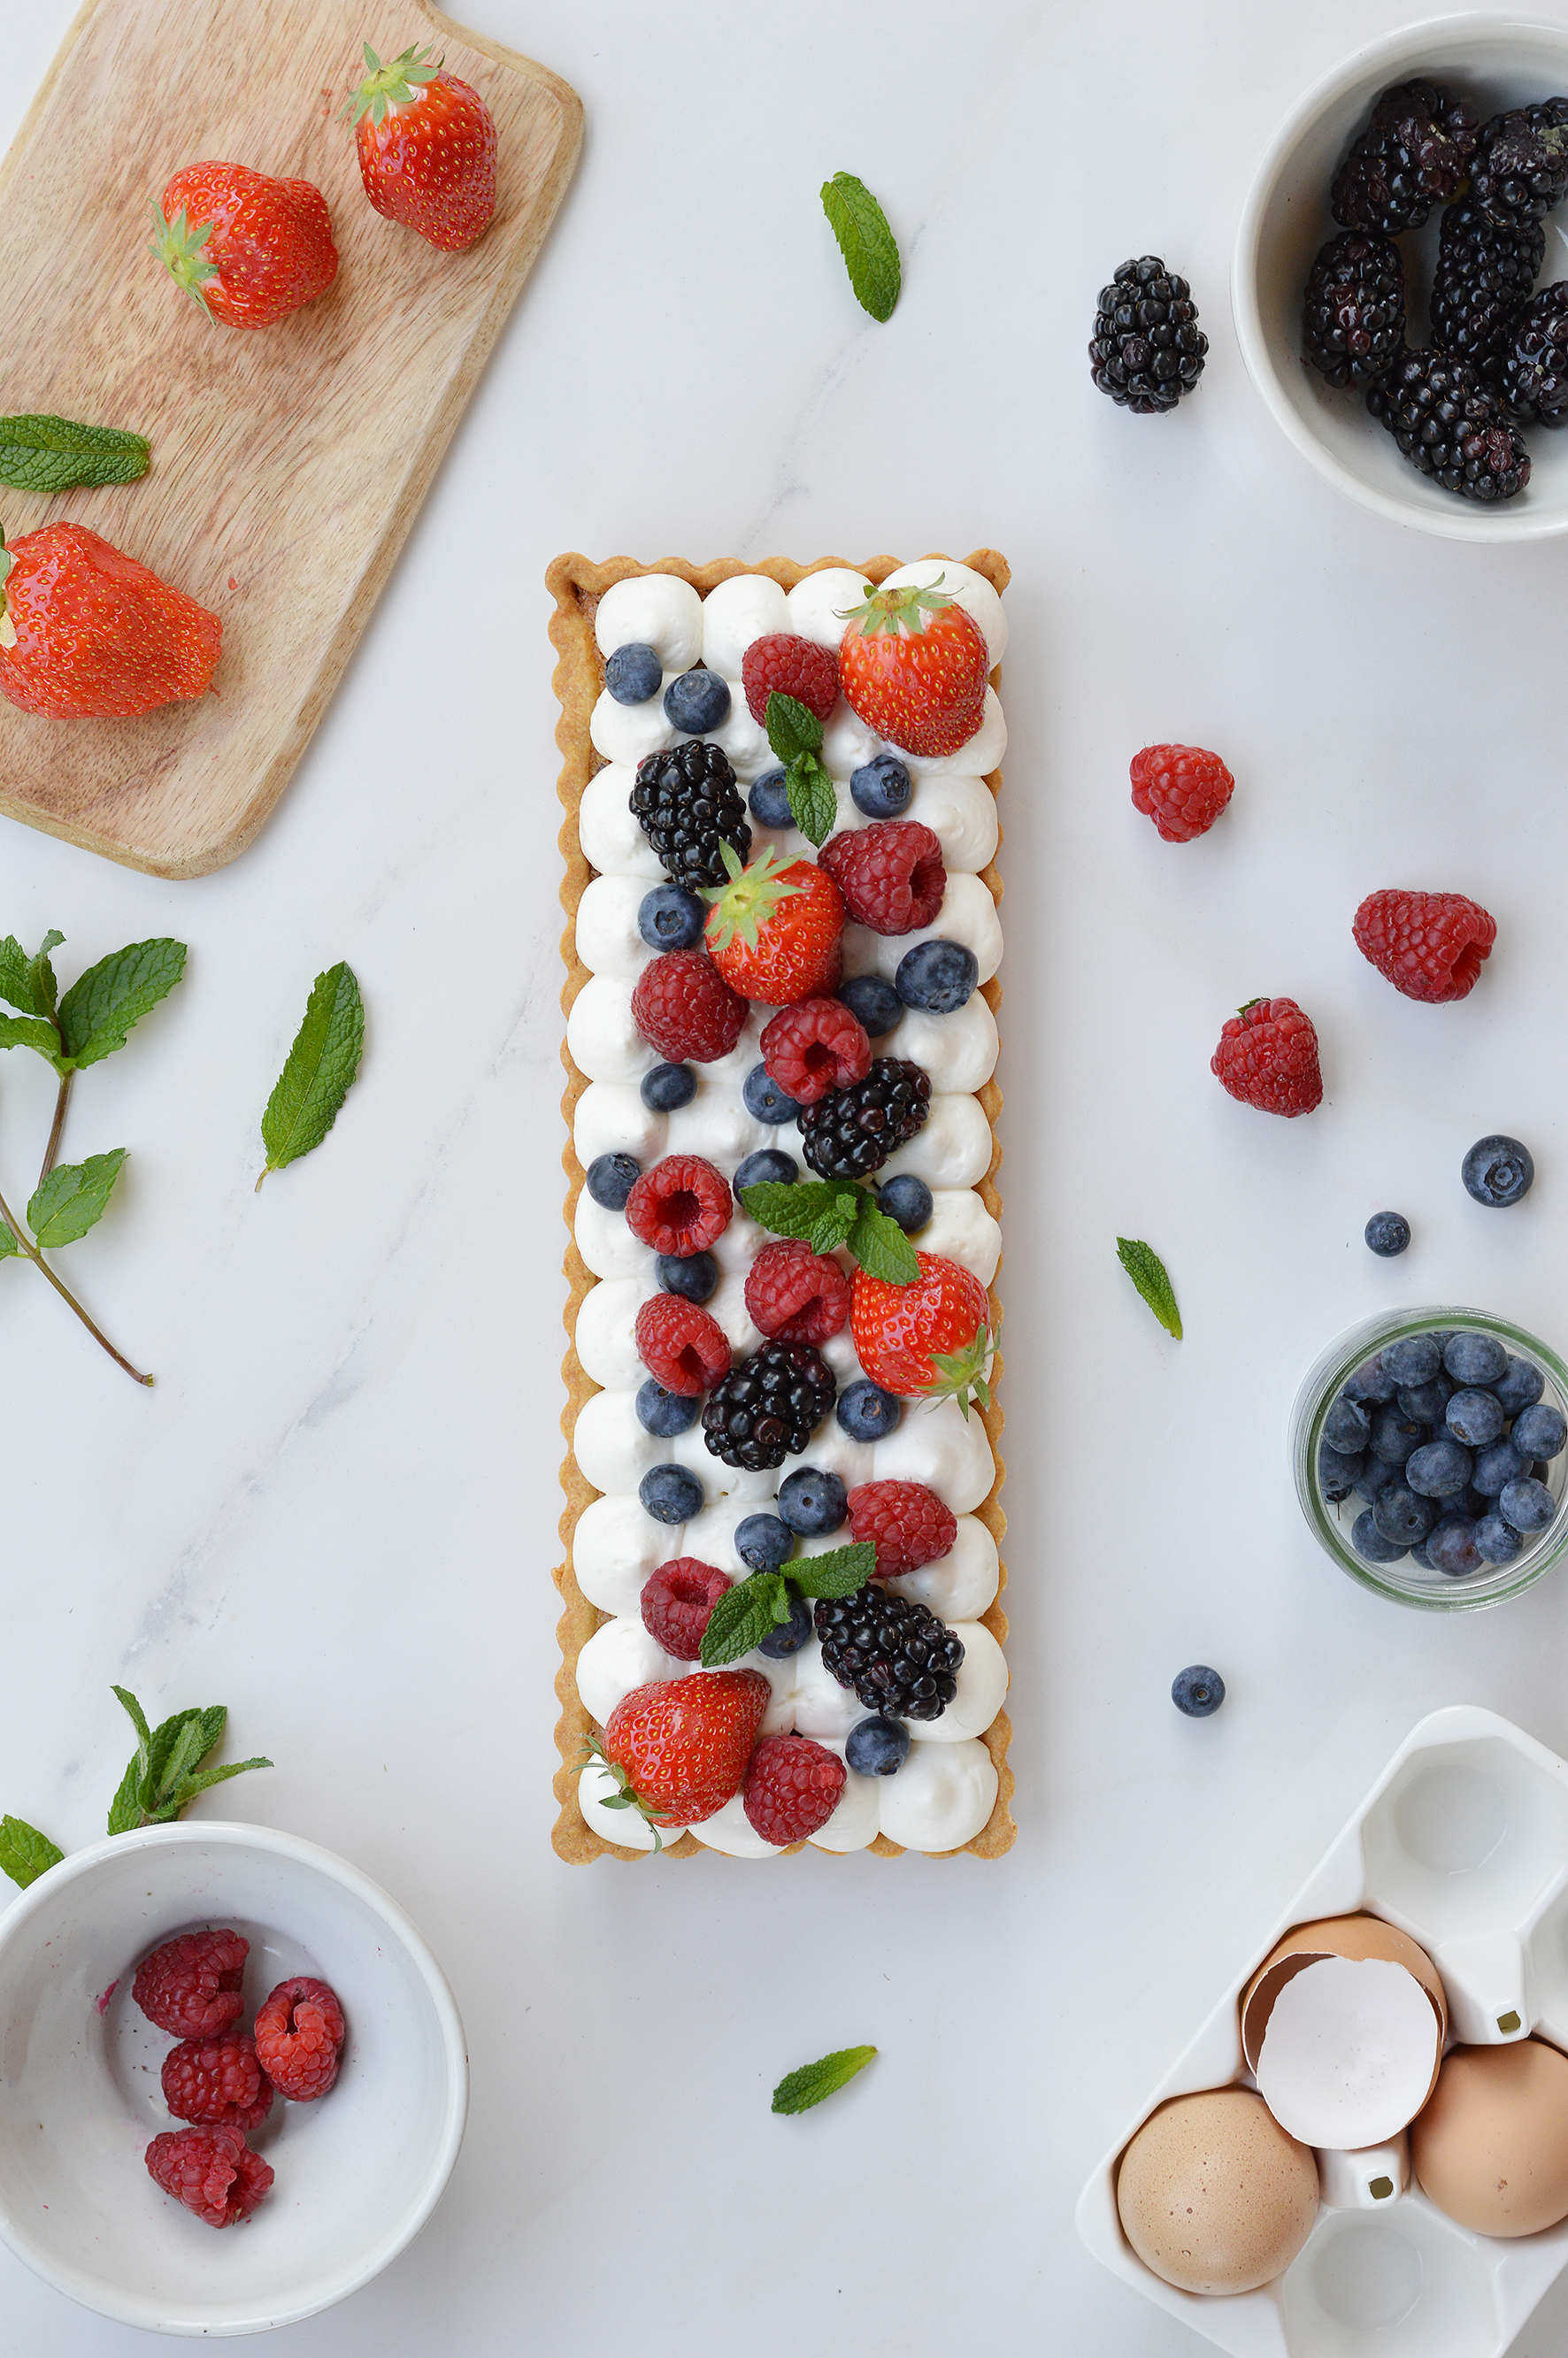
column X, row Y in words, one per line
column 682, row 1205
column 192, row 1985
column 794, row 1295
column 1431, row 946
column 683, row 1007
column 890, row 873
column 1179, row 787
column 211, row 2170
column 676, row 1600
column 792, row 1788
column 789, row 666
column 1267, row 1056
column 217, row 2081
column 682, row 1346
column 814, row 1046
column 906, row 1523
column 300, row 2036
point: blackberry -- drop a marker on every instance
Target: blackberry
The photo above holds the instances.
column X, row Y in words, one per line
column 1481, row 283
column 688, row 803
column 851, row 1132
column 768, row 1407
column 1412, row 156
column 1447, row 425
column 1353, row 325
column 1148, row 348
column 1520, row 166
column 895, row 1655
column 1533, row 377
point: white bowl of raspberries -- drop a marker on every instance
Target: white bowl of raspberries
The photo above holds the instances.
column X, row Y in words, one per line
column 232, row 2078
column 1400, row 277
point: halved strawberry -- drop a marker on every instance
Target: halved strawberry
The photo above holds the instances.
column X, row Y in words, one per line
column 680, row 1747
column 775, row 930
column 914, row 664
column 930, row 1338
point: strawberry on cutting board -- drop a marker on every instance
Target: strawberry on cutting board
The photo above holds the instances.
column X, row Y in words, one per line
column 248, row 248
column 914, row 664
column 775, row 930
column 427, row 147
column 88, row 633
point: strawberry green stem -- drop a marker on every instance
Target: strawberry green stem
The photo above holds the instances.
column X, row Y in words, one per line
column 26, row 1244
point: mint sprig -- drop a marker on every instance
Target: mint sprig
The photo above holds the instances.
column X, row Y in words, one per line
column 93, row 1019
column 865, row 240
column 798, row 2091
column 56, row 454
column 794, row 735
column 1147, row 1271
column 744, row 1614
column 164, row 1773
column 319, row 1071
column 829, row 1213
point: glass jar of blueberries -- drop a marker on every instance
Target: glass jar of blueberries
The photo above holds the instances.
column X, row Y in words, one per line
column 1429, row 1451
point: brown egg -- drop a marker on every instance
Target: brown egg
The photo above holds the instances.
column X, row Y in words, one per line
column 1213, row 2196
column 1491, row 2148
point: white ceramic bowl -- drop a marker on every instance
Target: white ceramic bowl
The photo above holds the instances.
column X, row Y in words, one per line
column 358, row 2172
column 1493, row 62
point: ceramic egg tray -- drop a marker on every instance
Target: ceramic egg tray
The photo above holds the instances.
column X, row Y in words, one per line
column 1462, row 1843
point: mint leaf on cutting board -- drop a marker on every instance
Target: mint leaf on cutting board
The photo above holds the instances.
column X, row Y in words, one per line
column 1147, row 1271
column 56, row 454
column 319, row 1070
column 865, row 240
column 798, row 2091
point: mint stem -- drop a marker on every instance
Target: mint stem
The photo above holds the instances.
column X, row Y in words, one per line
column 27, row 1245
column 52, row 1149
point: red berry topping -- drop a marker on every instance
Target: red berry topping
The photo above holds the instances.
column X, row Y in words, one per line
column 890, row 873
column 300, row 2038
column 789, row 666
column 676, row 1600
column 211, row 2170
column 794, row 1295
column 930, row 1338
column 681, row 1205
column 1181, row 788
column 914, row 666
column 1431, row 946
column 217, row 2080
column 815, row 1046
column 1267, row 1056
column 792, row 1788
column 192, row 1985
column 906, row 1523
column 681, row 1745
column 683, row 1007
column 775, row 929
column 682, row 1346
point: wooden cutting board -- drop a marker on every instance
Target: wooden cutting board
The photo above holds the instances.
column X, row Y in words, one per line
column 288, row 462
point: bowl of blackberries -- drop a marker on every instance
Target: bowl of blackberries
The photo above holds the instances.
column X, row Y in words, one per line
column 1400, row 277
column 1431, row 1457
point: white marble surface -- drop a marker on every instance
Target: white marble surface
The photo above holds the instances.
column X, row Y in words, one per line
column 337, row 1509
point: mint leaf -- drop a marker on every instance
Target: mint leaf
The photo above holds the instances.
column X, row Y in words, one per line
column 1147, row 1271
column 24, row 1853
column 125, row 1809
column 742, row 1618
column 179, row 1763
column 866, row 242
column 55, row 454
column 836, row 1572
column 72, row 1198
column 203, row 1783
column 40, row 974
column 101, row 1006
column 319, row 1070
column 15, row 988
column 9, row 1248
column 31, row 1032
column 813, row 804
column 793, row 727
column 166, row 1773
column 882, row 1247
column 798, row 2091
column 812, row 1208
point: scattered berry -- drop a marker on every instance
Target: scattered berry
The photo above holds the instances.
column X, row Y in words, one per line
column 670, row 1493
column 211, row 2170
column 1412, row 156
column 768, row 801
column 873, row 1002
column 868, row 1413
column 610, row 1178
column 1430, row 946
column 814, row 1046
column 632, row 673
column 191, row 1986
column 764, row 1100
column 882, row 788
column 794, row 1295
column 1497, row 1170
column 697, row 700
column 906, row 1522
column 1179, row 787
column 768, row 1407
column 1353, row 324
column 930, row 1338
column 937, row 976
column 682, row 1745
column 683, row 1007
column 891, row 875
column 896, row 1655
column 683, row 1346
column 1449, row 426
column 812, row 1501
column 763, row 1543
column 792, row 1788
column 783, row 664
column 427, row 147
column 300, row 2038
column 682, row 1205
column 1197, row 1690
column 664, row 1413
column 1388, row 1234
column 688, row 803
column 668, row 1087
column 1267, row 1057
column 906, row 1200
column 768, row 1167
column 677, row 1599
column 912, row 664
column 217, row 2081
column 248, row 248
column 670, row 918
column 1148, row 349
column 775, row 930
column 877, row 1747
column 851, row 1132
column 695, row 1276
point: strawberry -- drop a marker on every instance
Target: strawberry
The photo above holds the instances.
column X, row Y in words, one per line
column 912, row 664
column 427, row 149
column 774, row 931
column 680, row 1747
column 87, row 632
column 247, row 248
column 931, row 1337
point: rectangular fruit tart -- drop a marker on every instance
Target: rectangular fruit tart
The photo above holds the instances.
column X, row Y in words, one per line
column 781, row 1619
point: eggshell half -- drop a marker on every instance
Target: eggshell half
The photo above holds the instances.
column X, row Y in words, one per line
column 1351, row 2052
column 1332, row 1936
column 1491, row 2148
column 1213, row 2196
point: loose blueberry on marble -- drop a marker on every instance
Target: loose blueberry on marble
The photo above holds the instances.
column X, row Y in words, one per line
column 1527, row 1504
column 695, row 1276
column 1401, row 1517
column 877, row 1747
column 1475, row 1418
column 1387, row 1233
column 611, row 1179
column 696, row 701
column 1415, row 1359
column 668, row 1087
column 1496, row 1542
column 632, row 673
column 1394, row 1435
column 764, row 1098
column 663, row 1414
column 813, row 1500
column 939, row 976
column 1451, row 1547
column 907, row 1200
column 1337, row 1473
column 1369, row 1543
column 868, row 1413
column 670, row 918
column 1197, row 1690
column 1473, row 1359
column 789, row 1637
column 1427, row 1403
column 670, row 1493
column 1539, row 1431
column 1494, row 1467
column 873, row 1002
column 882, row 788
column 763, row 1543
column 769, row 799
column 1347, row 1426
column 1498, row 1170
column 1371, row 1384
column 1439, row 1469
column 770, row 1167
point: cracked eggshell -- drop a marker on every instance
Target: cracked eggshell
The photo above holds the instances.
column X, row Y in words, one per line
column 1491, row 2148
column 1213, row 2196
column 1351, row 2052
column 1332, row 1936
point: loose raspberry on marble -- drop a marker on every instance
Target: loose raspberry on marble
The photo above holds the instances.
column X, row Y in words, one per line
column 300, row 2038
column 676, row 1600
column 787, row 665
column 814, row 1046
column 1430, row 946
column 890, row 873
column 211, row 2170
column 217, row 2081
column 682, row 1205
column 792, row 1788
column 794, row 1295
column 907, row 1524
column 1267, row 1057
column 191, row 1986
column 683, row 1007
column 682, row 1346
column 1179, row 787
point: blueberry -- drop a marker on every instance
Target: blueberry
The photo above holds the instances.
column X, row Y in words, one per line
column 670, row 918
column 1527, row 1504
column 1539, row 1431
column 877, row 1747
column 937, row 976
column 1498, row 1170
column 611, row 1179
column 873, row 1002
column 868, row 1413
column 1451, row 1547
column 1387, row 1233
column 1496, row 1542
column 668, row 1087
column 1476, row 1358
column 1347, row 1426
column 764, row 1100
column 1401, row 1517
column 1197, row 1690
column 632, row 673
column 1375, row 1477
column 882, row 788
column 1440, row 1469
column 1502, row 1463
column 767, row 1167
column 670, row 1493
column 789, row 1637
column 663, row 1414
column 1469, row 1502
column 694, row 1276
column 768, row 802
column 1418, row 1555
column 696, row 701
column 1475, row 1418
column 1521, row 1386
column 907, row 1200
column 813, row 1500
column 1427, row 1401
column 763, row 1543
column 1371, row 1384
column 1413, row 1360
column 1337, row 1473
column 1395, row 1436
column 1369, row 1543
